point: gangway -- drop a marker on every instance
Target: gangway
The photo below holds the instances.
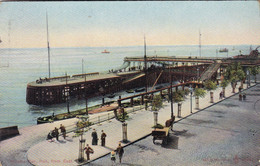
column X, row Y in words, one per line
column 210, row 71
column 134, row 78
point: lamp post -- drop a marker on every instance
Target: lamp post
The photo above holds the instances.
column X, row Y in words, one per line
column 197, row 74
column 191, row 91
column 248, row 83
column 170, row 95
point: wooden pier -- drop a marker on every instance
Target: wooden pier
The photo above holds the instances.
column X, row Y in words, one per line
column 131, row 74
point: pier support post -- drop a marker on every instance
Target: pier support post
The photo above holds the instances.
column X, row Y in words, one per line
column 103, row 100
column 131, row 102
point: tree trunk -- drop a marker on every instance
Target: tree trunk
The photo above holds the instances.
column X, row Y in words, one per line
column 242, row 84
column 255, row 79
column 179, row 110
column 234, row 87
column 197, row 102
column 211, row 97
column 224, row 92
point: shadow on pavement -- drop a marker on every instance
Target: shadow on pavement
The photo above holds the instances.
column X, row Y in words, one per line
column 183, row 133
column 173, row 142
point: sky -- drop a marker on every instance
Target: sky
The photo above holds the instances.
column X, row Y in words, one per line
column 108, row 24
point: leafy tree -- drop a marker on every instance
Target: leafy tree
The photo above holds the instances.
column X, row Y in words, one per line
column 178, row 97
column 254, row 71
column 157, row 103
column 210, row 86
column 235, row 73
column 224, row 84
column 199, row 92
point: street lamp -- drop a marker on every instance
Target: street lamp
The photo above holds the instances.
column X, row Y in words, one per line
column 248, row 78
column 191, row 91
column 197, row 74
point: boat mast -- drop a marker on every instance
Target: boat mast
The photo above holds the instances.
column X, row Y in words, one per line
column 200, row 43
column 145, row 65
column 48, row 45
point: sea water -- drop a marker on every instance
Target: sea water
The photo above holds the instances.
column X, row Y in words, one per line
column 21, row 66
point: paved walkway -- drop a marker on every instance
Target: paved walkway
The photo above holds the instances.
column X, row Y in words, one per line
column 65, row 152
column 15, row 151
column 225, row 134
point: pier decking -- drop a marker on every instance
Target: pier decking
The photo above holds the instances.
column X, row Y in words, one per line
column 131, row 74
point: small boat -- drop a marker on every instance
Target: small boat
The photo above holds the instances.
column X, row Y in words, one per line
column 130, row 91
column 112, row 95
column 105, row 52
column 139, row 89
column 223, row 50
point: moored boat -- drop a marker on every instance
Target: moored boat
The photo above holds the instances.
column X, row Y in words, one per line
column 105, row 52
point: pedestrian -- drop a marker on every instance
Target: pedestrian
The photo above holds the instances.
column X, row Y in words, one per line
column 56, row 133
column 220, row 95
column 88, row 150
column 94, row 137
column 50, row 136
column 113, row 157
column 103, row 138
column 240, row 97
column 63, row 131
column 120, row 152
column 244, row 96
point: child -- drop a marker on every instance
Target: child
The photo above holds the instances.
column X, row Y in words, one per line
column 113, row 157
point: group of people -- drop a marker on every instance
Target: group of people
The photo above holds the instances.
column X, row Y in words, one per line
column 119, row 151
column 95, row 138
column 88, row 150
column 242, row 96
column 55, row 133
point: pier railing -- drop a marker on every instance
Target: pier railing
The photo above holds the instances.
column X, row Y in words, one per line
column 105, row 117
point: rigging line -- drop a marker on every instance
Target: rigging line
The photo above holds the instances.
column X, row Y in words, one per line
column 157, row 79
column 48, row 45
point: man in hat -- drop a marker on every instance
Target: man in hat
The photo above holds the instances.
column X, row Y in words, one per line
column 94, row 137
column 88, row 150
column 120, row 151
column 103, row 138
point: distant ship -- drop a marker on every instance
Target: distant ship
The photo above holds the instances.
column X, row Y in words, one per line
column 105, row 52
column 223, row 50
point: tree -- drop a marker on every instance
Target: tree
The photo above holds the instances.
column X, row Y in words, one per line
column 199, row 92
column 235, row 73
column 178, row 97
column 224, row 83
column 209, row 85
column 157, row 104
column 254, row 71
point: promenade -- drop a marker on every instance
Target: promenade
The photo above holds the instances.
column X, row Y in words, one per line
column 31, row 146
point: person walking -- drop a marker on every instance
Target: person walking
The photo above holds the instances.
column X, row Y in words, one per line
column 94, row 137
column 56, row 133
column 88, row 150
column 113, row 157
column 103, row 138
column 63, row 131
column 120, row 152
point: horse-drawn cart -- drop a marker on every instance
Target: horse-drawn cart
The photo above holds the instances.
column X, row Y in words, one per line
column 163, row 134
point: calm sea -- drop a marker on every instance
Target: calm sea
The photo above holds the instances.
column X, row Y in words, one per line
column 27, row 65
